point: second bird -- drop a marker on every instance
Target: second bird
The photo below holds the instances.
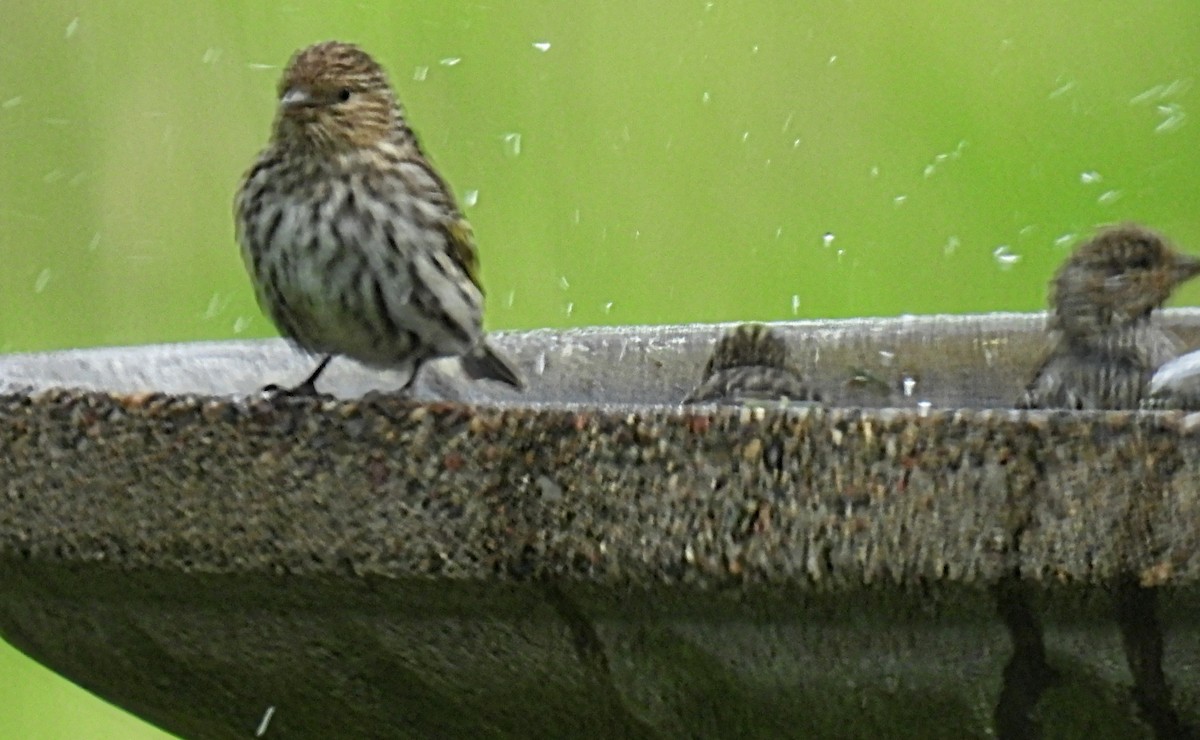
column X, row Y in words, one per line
column 750, row 364
column 354, row 243
column 1102, row 301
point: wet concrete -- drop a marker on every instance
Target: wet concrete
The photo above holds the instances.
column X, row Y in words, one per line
column 592, row 560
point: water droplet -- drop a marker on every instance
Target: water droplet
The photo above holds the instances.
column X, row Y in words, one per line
column 508, row 299
column 924, row 407
column 827, row 239
column 1064, row 241
column 899, row 200
column 1161, row 91
column 1109, row 197
column 265, row 722
column 887, row 357
column 72, row 27
column 796, row 144
column 214, row 307
column 1173, row 118
column 512, row 144
column 450, row 61
column 795, row 305
column 12, row 102
column 1005, row 257
column 1176, row 87
column 908, row 385
column 951, row 246
column 929, row 170
column 570, row 308
column 833, row 59
column 420, row 73
column 470, row 198
column 1090, row 177
column 542, row 45
column 241, row 324
column 779, row 232
column 608, row 307
column 43, row 279
column 875, row 171
column 562, row 282
column 745, row 136
column 1154, row 93
column 787, row 122
column 754, row 49
column 575, row 216
column 211, row 56
column 706, row 97
column 1062, row 89
column 260, row 67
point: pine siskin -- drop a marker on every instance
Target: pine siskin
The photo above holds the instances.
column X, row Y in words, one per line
column 1107, row 348
column 750, row 364
column 354, row 243
column 1102, row 299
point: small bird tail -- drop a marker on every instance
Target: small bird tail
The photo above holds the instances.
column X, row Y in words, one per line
column 483, row 362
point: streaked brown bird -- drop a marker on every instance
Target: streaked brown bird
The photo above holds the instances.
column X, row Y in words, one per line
column 750, row 364
column 1102, row 299
column 354, row 243
column 1107, row 348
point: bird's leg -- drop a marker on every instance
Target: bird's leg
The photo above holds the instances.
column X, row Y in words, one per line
column 406, row 389
column 308, row 387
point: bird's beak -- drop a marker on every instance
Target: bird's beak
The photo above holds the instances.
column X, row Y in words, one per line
column 294, row 98
column 1186, row 267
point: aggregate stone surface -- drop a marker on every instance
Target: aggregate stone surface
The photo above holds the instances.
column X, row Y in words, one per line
column 590, row 559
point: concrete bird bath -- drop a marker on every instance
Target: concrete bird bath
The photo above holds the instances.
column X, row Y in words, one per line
column 591, row 560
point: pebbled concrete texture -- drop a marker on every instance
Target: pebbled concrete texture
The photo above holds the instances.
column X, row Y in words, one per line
column 590, row 559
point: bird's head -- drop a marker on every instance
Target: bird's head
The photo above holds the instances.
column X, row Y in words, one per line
column 748, row 345
column 1117, row 279
column 334, row 97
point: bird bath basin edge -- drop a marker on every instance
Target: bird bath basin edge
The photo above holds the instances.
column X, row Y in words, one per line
column 589, row 559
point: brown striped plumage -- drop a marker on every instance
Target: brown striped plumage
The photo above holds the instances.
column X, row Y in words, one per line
column 1102, row 300
column 750, row 364
column 1107, row 348
column 354, row 243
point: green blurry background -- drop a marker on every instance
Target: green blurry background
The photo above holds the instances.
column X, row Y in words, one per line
column 623, row 162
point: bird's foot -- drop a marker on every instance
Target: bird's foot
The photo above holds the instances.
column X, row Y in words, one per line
column 304, row 390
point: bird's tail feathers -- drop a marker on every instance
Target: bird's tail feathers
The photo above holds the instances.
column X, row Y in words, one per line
column 483, row 362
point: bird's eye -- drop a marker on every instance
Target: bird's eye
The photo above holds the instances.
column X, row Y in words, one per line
column 343, row 95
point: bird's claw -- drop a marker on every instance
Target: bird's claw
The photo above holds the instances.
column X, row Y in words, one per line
column 305, row 390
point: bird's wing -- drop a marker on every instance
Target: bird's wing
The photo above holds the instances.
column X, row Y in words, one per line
column 460, row 238
column 460, row 245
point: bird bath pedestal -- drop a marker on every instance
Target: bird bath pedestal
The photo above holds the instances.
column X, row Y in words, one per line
column 589, row 559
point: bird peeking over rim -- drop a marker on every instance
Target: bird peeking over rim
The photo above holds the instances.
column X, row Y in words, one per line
column 750, row 363
column 1102, row 300
column 354, row 243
